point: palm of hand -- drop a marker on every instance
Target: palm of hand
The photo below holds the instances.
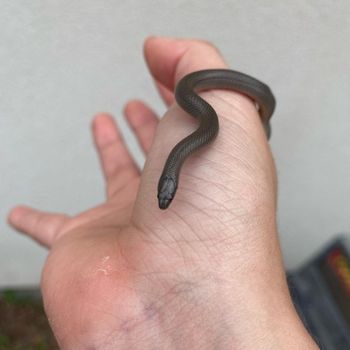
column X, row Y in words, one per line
column 126, row 255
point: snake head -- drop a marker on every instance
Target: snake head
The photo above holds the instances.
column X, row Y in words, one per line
column 166, row 191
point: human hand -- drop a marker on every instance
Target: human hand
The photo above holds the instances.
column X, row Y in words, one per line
column 206, row 273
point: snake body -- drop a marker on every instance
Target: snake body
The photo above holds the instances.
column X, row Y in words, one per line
column 188, row 99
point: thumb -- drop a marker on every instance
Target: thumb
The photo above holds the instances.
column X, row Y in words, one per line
column 236, row 164
column 170, row 59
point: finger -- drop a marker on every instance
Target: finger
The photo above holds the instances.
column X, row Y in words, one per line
column 170, row 59
column 165, row 93
column 40, row 226
column 143, row 121
column 114, row 156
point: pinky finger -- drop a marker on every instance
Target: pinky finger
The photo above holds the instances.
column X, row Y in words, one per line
column 41, row 226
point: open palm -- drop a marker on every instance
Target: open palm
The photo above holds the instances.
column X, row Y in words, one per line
column 128, row 275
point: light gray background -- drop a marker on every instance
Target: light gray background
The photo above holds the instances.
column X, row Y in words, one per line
column 62, row 61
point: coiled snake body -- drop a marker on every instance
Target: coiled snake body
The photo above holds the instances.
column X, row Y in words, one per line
column 187, row 98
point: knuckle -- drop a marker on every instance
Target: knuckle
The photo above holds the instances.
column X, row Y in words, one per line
column 206, row 44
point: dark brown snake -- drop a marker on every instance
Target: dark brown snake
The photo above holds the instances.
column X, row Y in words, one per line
column 187, row 98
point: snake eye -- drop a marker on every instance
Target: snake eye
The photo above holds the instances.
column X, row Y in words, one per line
column 166, row 192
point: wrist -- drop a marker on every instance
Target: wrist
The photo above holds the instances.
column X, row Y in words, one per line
column 240, row 318
column 215, row 314
column 249, row 307
column 270, row 321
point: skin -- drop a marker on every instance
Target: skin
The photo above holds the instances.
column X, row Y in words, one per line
column 205, row 274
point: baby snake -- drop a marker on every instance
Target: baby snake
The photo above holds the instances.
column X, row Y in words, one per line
column 187, row 98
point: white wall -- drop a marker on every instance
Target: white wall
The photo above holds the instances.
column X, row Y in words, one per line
column 61, row 61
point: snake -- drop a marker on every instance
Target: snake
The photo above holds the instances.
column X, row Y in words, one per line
column 186, row 96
